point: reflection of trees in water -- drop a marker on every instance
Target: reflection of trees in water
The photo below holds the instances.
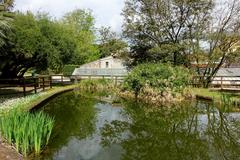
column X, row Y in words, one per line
column 224, row 135
column 173, row 133
column 74, row 116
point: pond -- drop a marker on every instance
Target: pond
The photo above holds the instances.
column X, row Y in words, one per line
column 90, row 129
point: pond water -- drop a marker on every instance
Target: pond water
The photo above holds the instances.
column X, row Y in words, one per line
column 90, row 129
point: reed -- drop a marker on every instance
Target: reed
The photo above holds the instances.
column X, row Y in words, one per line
column 226, row 100
column 27, row 131
column 96, row 84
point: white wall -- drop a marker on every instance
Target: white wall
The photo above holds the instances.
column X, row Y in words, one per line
column 112, row 63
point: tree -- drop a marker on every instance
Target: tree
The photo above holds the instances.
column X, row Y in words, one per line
column 5, row 19
column 110, row 43
column 204, row 32
column 61, row 38
column 221, row 38
column 6, row 5
column 81, row 22
column 41, row 43
column 25, row 48
column 159, row 28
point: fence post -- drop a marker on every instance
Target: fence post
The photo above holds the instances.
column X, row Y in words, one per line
column 24, row 87
column 62, row 79
column 50, row 81
column 43, row 83
column 116, row 81
column 35, row 85
column 221, row 82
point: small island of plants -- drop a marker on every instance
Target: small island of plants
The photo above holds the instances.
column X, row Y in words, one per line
column 157, row 83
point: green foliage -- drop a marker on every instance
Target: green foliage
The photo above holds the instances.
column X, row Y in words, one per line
column 44, row 44
column 227, row 102
column 27, row 131
column 81, row 24
column 6, row 5
column 5, row 20
column 95, row 84
column 162, row 77
column 164, row 26
column 68, row 69
column 110, row 43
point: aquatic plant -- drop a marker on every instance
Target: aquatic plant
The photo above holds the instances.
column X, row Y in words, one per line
column 96, row 84
column 226, row 100
column 27, row 131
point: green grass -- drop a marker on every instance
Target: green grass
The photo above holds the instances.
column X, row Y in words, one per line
column 28, row 132
column 28, row 102
column 223, row 98
column 213, row 94
column 206, row 93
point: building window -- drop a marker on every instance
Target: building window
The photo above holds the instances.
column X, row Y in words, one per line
column 107, row 64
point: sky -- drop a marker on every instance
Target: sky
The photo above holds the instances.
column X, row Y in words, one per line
column 106, row 12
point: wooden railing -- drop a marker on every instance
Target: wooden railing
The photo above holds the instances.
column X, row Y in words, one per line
column 39, row 83
column 28, row 84
column 218, row 81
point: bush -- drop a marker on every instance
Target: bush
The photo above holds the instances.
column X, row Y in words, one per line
column 68, row 69
column 160, row 77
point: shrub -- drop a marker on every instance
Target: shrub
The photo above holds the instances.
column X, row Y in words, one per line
column 160, row 77
column 27, row 131
column 68, row 69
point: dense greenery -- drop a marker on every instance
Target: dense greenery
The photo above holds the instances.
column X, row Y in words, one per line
column 161, row 77
column 94, row 85
column 110, row 43
column 5, row 19
column 199, row 33
column 41, row 43
column 27, row 131
column 159, row 30
column 68, row 69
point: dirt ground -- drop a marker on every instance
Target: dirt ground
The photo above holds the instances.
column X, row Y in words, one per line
column 8, row 153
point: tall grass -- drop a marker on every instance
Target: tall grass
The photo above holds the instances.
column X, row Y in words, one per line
column 96, row 84
column 226, row 100
column 27, row 131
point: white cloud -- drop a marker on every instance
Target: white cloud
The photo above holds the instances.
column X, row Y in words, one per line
column 106, row 12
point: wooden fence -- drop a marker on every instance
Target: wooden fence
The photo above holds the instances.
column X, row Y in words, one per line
column 218, row 81
column 28, row 84
column 40, row 83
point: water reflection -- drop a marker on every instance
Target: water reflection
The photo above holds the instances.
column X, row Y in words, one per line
column 179, row 132
column 75, row 118
column 77, row 132
column 89, row 129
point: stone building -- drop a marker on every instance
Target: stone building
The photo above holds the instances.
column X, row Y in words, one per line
column 108, row 66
